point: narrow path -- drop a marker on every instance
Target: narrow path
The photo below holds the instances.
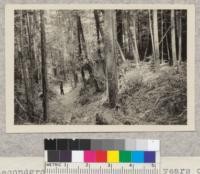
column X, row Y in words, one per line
column 60, row 108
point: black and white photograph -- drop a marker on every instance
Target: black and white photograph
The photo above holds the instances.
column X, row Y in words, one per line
column 101, row 67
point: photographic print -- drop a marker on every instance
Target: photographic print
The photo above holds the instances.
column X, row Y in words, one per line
column 100, row 69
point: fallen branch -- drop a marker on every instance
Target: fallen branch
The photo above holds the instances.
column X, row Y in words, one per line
column 20, row 105
column 165, row 34
column 121, row 52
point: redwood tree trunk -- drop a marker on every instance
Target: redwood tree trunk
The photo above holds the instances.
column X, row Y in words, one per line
column 133, row 38
column 173, row 38
column 97, row 22
column 44, row 67
column 24, row 69
column 155, row 35
column 180, row 39
column 119, row 28
column 110, row 54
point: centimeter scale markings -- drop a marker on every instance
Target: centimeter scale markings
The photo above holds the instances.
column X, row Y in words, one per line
column 101, row 168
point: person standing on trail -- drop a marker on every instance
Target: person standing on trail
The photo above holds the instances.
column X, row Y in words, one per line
column 61, row 88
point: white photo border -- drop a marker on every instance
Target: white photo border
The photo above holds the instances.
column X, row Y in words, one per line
column 9, row 71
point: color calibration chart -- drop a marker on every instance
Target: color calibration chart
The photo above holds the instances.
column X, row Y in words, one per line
column 102, row 156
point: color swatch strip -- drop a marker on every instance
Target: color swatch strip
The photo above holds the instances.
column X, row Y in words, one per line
column 101, row 144
column 101, row 156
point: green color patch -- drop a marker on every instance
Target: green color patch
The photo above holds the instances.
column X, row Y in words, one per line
column 125, row 156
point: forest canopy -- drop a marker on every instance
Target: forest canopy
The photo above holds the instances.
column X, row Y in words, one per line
column 100, row 66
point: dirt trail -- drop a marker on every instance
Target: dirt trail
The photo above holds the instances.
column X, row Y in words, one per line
column 61, row 107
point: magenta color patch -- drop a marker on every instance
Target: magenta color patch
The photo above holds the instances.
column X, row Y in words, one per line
column 89, row 156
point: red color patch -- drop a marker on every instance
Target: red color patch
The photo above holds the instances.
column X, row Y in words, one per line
column 101, row 156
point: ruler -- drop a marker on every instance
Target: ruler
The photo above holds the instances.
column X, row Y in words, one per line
column 101, row 168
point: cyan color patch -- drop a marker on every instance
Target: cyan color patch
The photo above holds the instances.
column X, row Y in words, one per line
column 137, row 156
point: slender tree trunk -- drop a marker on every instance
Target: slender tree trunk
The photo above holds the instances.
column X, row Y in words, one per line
column 96, row 16
column 152, row 38
column 167, row 45
column 168, row 52
column 24, row 68
column 75, row 34
column 180, row 39
column 125, row 34
column 82, row 36
column 173, row 37
column 155, row 35
column 31, row 55
column 132, row 35
column 110, row 53
column 162, row 60
column 119, row 28
column 79, row 39
column 23, row 65
column 44, row 67
column 135, row 42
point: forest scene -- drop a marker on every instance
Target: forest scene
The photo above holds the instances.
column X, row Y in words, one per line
column 100, row 67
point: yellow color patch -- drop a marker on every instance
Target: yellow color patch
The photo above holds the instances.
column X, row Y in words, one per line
column 113, row 156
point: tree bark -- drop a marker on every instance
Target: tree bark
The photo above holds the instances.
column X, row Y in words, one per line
column 119, row 28
column 162, row 60
column 152, row 38
column 125, row 35
column 97, row 22
column 155, row 35
column 173, row 38
column 24, row 69
column 80, row 28
column 44, row 67
column 31, row 55
column 133, row 38
column 110, row 54
column 180, row 39
column 79, row 39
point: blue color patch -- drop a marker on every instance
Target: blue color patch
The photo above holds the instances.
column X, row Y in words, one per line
column 137, row 157
column 149, row 157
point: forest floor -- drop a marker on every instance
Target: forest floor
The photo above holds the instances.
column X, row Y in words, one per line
column 145, row 98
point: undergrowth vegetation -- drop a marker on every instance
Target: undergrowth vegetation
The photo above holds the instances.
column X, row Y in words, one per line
column 145, row 98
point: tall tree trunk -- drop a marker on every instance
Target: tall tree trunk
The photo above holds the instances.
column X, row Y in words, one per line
column 162, row 61
column 167, row 45
column 35, row 51
column 97, row 22
column 125, row 35
column 110, row 54
column 75, row 33
column 168, row 52
column 132, row 35
column 79, row 39
column 155, row 35
column 135, row 41
column 80, row 28
column 31, row 55
column 119, row 28
column 173, row 37
column 62, row 54
column 23, row 65
column 44, row 67
column 87, row 66
column 152, row 38
column 180, row 39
